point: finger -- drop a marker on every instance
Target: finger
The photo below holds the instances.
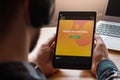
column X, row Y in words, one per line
column 52, row 45
column 98, row 43
column 94, row 43
column 98, row 39
column 51, row 40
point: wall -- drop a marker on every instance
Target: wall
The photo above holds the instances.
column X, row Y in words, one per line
column 79, row 5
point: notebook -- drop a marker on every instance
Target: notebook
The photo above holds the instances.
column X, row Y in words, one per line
column 109, row 26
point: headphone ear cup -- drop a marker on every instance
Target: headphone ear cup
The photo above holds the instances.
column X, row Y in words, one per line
column 41, row 12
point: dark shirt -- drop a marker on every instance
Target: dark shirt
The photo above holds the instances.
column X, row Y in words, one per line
column 19, row 71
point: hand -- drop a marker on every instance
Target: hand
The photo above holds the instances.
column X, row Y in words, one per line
column 100, row 53
column 44, row 57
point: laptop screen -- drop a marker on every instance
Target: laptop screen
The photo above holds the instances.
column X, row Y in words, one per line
column 113, row 8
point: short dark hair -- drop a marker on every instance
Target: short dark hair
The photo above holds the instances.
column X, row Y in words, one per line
column 8, row 11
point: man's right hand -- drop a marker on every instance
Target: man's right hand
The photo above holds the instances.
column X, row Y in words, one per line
column 100, row 53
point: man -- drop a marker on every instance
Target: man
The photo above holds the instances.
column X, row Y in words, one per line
column 18, row 34
column 19, row 31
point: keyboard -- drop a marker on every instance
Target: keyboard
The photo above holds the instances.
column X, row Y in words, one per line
column 108, row 30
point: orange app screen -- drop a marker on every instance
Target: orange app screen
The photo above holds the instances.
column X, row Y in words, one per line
column 75, row 38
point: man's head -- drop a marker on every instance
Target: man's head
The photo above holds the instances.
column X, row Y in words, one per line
column 40, row 11
column 23, row 18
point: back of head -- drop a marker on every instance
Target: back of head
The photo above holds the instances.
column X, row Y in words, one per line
column 8, row 12
column 40, row 12
column 20, row 22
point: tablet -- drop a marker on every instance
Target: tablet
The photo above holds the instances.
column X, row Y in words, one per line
column 74, row 40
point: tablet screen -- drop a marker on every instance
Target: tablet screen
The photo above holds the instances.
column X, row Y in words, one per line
column 75, row 37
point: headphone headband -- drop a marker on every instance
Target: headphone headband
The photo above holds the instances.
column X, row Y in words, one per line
column 41, row 12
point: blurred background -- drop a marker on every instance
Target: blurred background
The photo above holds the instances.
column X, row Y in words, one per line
column 79, row 5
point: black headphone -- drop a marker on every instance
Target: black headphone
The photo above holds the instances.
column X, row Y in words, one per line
column 41, row 12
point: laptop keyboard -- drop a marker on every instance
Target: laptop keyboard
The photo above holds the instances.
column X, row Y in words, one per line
column 108, row 30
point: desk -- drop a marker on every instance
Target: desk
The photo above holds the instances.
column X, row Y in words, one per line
column 72, row 74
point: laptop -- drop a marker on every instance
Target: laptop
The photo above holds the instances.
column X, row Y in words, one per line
column 109, row 26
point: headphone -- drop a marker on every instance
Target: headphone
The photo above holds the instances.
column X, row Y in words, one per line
column 41, row 12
